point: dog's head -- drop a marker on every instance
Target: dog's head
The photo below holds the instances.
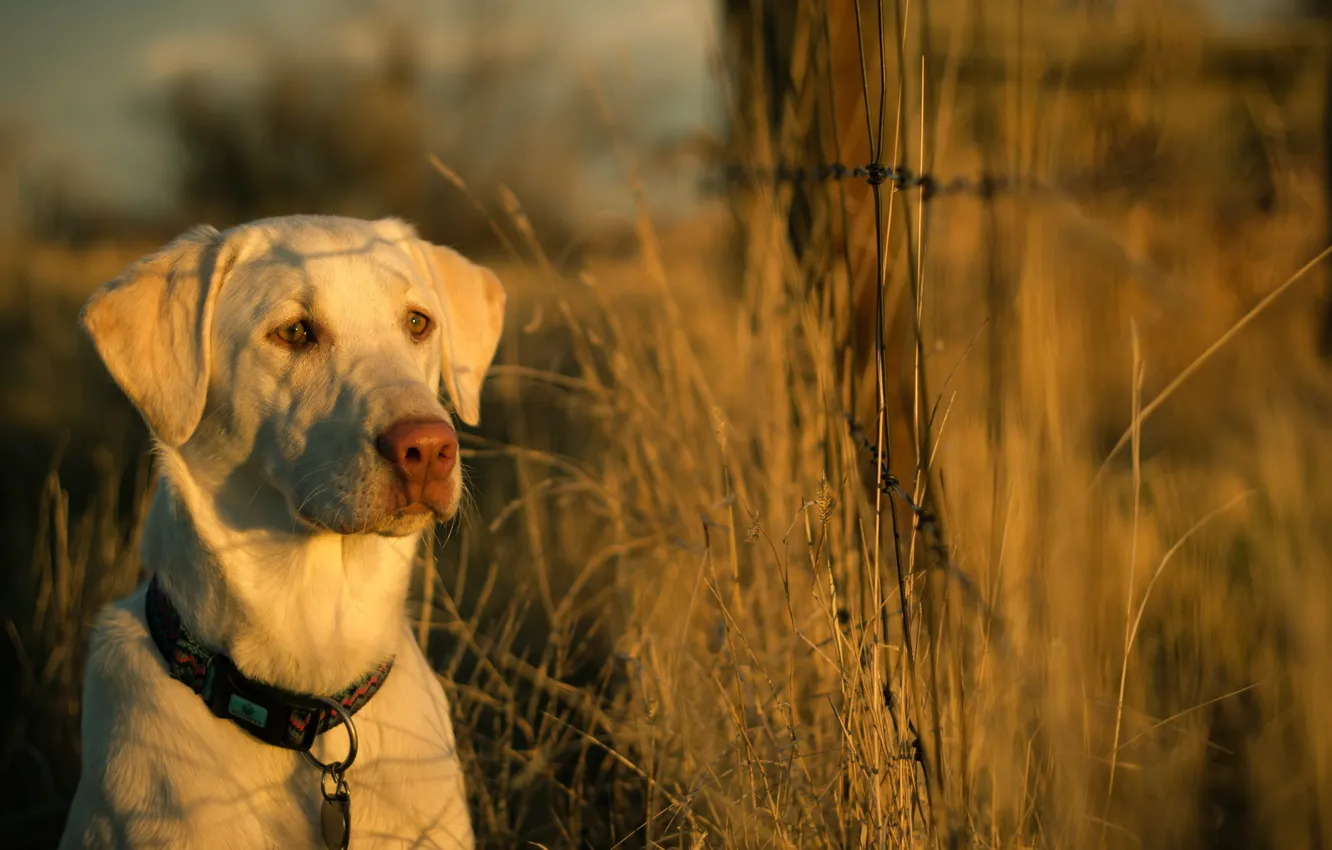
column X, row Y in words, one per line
column 300, row 359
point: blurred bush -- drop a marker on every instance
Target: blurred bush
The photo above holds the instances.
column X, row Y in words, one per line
column 337, row 136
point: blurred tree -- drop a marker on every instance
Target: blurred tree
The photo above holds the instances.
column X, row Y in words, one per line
column 338, row 136
column 307, row 139
column 12, row 222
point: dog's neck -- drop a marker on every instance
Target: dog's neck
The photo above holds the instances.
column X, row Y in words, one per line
column 302, row 610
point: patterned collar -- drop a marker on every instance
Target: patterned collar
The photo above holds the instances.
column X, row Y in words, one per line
column 275, row 716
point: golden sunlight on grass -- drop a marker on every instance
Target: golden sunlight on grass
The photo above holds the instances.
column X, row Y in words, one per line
column 668, row 622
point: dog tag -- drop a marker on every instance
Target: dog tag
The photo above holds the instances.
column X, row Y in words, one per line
column 335, row 819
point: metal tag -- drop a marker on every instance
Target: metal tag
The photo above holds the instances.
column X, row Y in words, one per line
column 335, row 820
column 335, row 813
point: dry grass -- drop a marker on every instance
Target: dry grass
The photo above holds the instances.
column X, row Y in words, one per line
column 670, row 623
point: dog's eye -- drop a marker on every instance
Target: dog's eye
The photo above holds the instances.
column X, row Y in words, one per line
column 296, row 334
column 418, row 323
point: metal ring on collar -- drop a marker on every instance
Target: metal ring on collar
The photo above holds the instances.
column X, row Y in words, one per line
column 337, row 768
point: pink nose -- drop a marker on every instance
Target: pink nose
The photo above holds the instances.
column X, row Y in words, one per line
column 423, row 451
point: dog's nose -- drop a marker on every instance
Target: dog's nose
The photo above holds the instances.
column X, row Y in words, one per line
column 421, row 450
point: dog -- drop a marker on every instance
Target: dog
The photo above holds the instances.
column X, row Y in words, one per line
column 262, row 688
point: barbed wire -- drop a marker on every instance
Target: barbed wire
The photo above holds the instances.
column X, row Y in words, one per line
column 1141, row 178
column 926, row 521
column 876, row 174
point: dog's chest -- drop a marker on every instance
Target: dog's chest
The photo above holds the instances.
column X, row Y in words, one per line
column 406, row 784
column 177, row 775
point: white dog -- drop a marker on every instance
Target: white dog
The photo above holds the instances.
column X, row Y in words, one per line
column 289, row 370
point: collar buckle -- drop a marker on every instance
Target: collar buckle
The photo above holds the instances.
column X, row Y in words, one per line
column 258, row 709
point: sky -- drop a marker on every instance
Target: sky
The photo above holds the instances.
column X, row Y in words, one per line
column 78, row 75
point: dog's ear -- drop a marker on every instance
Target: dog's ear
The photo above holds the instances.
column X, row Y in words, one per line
column 151, row 327
column 473, row 300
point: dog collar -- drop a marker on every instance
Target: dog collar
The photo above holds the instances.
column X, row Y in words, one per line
column 273, row 715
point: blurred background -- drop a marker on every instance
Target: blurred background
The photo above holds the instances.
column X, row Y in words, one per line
column 1096, row 604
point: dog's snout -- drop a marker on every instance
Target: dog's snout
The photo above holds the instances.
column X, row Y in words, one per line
column 421, row 450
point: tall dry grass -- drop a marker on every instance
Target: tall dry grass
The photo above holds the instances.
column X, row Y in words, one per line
column 678, row 618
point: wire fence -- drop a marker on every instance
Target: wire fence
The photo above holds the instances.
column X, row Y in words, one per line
column 909, row 710
column 899, row 178
column 881, row 40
